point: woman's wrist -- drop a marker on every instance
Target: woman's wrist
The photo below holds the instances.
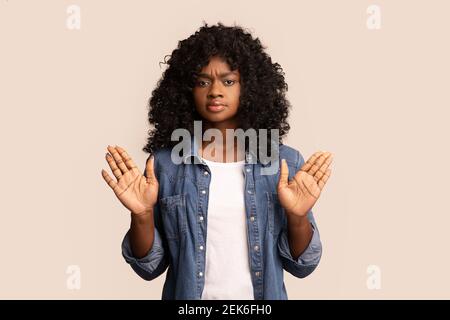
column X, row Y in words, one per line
column 143, row 215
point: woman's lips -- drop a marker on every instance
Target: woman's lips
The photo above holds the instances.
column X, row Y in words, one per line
column 216, row 108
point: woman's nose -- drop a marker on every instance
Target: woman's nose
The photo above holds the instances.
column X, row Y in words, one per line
column 216, row 89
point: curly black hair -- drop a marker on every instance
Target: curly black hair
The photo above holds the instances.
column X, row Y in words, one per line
column 262, row 101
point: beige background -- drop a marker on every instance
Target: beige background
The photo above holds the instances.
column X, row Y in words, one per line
column 377, row 99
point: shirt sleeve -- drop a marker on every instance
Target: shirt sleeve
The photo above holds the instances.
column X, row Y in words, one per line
column 155, row 262
column 309, row 259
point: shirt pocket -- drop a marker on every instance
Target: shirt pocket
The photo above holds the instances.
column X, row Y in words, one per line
column 274, row 214
column 173, row 209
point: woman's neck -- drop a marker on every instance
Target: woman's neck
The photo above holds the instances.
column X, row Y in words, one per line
column 221, row 151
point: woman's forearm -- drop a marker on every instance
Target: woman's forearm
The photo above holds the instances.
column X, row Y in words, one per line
column 299, row 234
column 142, row 233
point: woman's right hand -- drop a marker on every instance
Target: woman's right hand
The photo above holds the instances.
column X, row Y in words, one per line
column 137, row 193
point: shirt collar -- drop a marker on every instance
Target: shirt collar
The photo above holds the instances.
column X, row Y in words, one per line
column 193, row 152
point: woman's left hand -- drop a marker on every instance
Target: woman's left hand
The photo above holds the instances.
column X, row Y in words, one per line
column 300, row 194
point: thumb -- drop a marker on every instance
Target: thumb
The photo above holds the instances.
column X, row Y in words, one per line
column 149, row 170
column 284, row 174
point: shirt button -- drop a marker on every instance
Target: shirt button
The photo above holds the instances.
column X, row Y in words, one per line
column 200, row 274
column 203, row 191
column 201, row 247
column 248, row 170
column 205, row 173
column 256, row 248
column 252, row 218
column 249, row 191
column 257, row 273
column 201, row 218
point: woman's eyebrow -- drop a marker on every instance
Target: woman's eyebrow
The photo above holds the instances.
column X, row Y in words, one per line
column 222, row 75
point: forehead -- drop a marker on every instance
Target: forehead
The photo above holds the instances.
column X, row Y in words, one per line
column 218, row 65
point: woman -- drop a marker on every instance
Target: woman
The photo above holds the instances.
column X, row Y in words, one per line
column 223, row 228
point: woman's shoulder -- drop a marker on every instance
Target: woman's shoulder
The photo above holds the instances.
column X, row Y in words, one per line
column 162, row 157
column 292, row 155
column 161, row 154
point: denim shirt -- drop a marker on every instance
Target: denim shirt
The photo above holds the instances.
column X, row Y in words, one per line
column 181, row 220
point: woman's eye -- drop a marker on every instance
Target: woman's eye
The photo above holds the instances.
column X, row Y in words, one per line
column 200, row 83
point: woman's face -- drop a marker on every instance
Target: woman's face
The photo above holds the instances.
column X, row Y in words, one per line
column 216, row 93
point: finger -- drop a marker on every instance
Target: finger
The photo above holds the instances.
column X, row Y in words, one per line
column 127, row 159
column 284, row 174
column 149, row 170
column 112, row 164
column 321, row 183
column 311, row 161
column 119, row 161
column 323, row 168
column 315, row 167
column 109, row 180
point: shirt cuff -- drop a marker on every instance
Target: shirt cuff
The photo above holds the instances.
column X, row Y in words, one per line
column 150, row 262
column 309, row 257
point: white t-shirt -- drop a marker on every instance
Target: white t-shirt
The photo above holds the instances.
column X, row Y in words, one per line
column 227, row 274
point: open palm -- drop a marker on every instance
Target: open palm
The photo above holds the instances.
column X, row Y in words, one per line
column 136, row 192
column 300, row 194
